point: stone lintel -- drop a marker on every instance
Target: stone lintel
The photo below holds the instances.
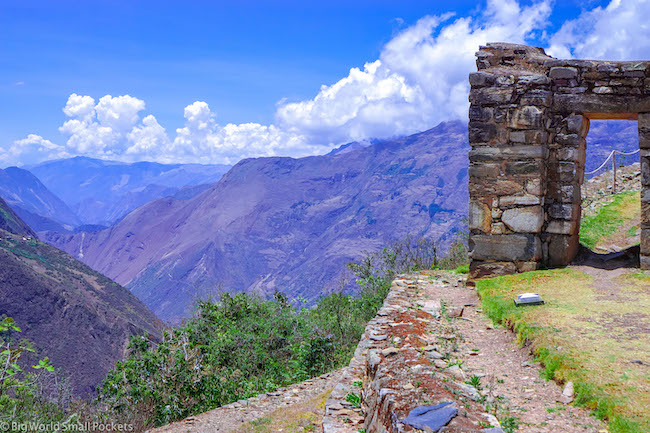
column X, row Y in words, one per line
column 594, row 103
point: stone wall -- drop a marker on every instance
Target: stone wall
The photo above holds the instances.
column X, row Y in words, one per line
column 398, row 367
column 528, row 121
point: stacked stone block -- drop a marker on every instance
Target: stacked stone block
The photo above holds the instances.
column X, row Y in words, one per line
column 644, row 145
column 528, row 121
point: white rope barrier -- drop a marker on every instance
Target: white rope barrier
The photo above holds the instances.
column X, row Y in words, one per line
column 611, row 154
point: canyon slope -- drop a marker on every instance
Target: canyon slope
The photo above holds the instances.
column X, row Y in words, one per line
column 75, row 316
column 102, row 192
column 34, row 202
column 284, row 224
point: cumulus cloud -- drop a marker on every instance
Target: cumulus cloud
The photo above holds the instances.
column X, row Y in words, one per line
column 620, row 31
column 30, row 149
column 419, row 80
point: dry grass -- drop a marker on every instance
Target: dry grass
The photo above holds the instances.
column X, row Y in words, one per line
column 612, row 223
column 589, row 332
column 297, row 418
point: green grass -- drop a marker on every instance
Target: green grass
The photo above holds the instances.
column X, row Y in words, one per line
column 462, row 269
column 583, row 336
column 609, row 219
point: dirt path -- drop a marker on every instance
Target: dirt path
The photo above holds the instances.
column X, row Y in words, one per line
column 510, row 378
column 296, row 408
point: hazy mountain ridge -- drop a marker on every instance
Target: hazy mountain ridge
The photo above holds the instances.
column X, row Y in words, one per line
column 102, row 192
column 34, row 202
column 283, row 223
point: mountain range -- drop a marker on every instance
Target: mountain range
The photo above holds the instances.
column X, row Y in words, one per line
column 34, row 202
column 284, row 224
column 101, row 192
column 271, row 223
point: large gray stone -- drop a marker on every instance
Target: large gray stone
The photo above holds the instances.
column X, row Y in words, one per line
column 524, row 219
column 511, row 247
column 562, row 249
column 527, row 117
column 563, row 73
column 491, row 269
column 479, row 216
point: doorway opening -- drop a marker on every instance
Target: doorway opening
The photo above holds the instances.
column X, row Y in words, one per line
column 610, row 226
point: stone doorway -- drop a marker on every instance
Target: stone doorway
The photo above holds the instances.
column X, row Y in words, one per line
column 529, row 117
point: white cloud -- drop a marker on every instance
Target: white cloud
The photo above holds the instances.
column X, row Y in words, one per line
column 620, row 31
column 32, row 148
column 419, row 80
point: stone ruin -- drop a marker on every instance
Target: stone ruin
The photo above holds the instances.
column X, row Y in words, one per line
column 528, row 121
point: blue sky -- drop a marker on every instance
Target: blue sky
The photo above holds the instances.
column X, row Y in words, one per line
column 258, row 66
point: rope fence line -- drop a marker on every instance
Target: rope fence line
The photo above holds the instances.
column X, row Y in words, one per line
column 612, row 155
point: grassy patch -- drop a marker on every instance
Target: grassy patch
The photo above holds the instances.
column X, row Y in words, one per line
column 297, row 418
column 585, row 334
column 462, row 269
column 609, row 219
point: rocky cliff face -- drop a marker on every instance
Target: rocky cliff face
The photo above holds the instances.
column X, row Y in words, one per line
column 77, row 317
column 284, row 224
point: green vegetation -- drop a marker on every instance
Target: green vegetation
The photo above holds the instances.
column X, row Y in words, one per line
column 594, row 229
column 243, row 345
column 583, row 336
column 23, row 396
column 233, row 348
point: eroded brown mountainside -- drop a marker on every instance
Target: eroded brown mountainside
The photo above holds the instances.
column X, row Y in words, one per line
column 77, row 317
column 284, row 224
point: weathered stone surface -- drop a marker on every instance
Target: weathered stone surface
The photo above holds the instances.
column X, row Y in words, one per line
column 533, row 80
column 488, row 153
column 480, row 217
column 490, row 96
column 520, row 200
column 527, row 266
column 536, row 97
column 524, row 219
column 562, row 249
column 480, row 269
column 645, row 242
column 529, row 118
column 482, row 132
column 563, row 73
column 562, row 227
column 483, row 171
column 498, row 229
column 510, row 247
column 524, row 167
column 577, row 124
column 529, row 136
column 593, row 103
column 564, row 211
column 481, row 79
column 644, row 130
column 644, row 262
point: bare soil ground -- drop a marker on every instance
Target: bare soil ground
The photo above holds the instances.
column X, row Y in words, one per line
column 510, row 378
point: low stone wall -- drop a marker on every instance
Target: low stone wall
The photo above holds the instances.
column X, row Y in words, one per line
column 398, row 366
